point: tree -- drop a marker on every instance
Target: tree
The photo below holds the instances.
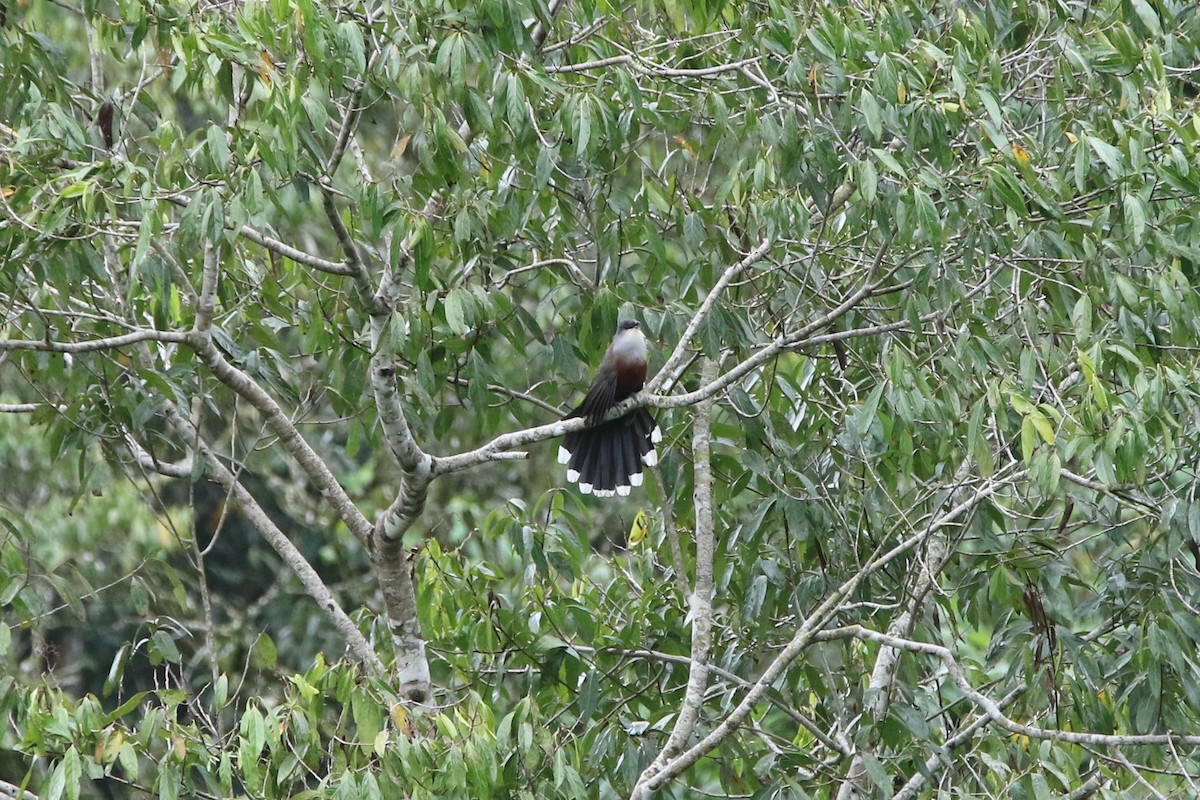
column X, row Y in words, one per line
column 306, row 292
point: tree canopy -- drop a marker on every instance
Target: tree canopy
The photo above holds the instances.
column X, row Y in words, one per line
column 294, row 297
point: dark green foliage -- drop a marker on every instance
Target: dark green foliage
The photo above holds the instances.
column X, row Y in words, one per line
column 1022, row 180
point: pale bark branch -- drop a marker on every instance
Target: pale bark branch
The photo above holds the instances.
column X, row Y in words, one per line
column 416, row 465
column 942, row 756
column 576, row 273
column 147, row 460
column 272, row 244
column 346, row 129
column 667, row 375
column 88, row 346
column 18, row 408
column 808, row 631
column 291, row 556
column 353, row 257
column 656, row 655
column 10, row 791
column 1129, row 767
column 281, row 426
column 992, row 709
column 584, row 66
column 651, row 69
column 937, row 553
column 1089, row 787
column 208, row 290
column 701, row 597
column 396, row 580
column 540, row 31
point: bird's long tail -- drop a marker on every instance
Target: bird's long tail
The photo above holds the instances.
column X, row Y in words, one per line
column 607, row 459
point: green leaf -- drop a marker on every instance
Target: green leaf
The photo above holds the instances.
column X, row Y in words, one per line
column 1005, row 185
column 253, row 735
column 218, row 148
column 1081, row 318
column 1028, row 439
column 455, row 313
column 125, row 708
column 1148, row 16
column 515, row 101
column 163, row 646
column 55, row 788
column 169, row 780
column 869, row 107
column 1043, row 426
column 1135, row 216
column 1110, row 155
column 264, row 648
column 72, row 772
column 927, row 214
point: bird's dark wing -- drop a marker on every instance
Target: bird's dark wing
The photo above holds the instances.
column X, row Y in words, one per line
column 599, row 397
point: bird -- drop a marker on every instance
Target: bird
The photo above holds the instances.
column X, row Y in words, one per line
column 606, row 458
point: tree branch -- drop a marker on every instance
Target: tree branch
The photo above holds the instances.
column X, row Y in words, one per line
column 18, row 408
column 807, row 633
column 701, row 597
column 841, row 748
column 291, row 439
column 992, row 709
column 887, row 662
column 294, row 559
column 208, row 290
column 416, row 465
column 10, row 791
column 176, row 337
column 273, row 244
column 941, row 756
column 666, row 375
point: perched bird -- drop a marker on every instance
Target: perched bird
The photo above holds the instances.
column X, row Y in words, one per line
column 606, row 458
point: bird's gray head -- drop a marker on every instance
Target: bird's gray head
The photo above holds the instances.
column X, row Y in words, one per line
column 629, row 342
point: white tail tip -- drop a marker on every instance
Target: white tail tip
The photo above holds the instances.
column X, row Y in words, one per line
column 636, row 479
column 572, row 475
column 585, row 488
column 650, row 459
column 656, row 435
column 624, row 490
column 564, row 455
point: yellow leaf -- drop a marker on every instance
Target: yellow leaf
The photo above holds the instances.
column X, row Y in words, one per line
column 901, row 92
column 1072, row 138
column 401, row 145
column 641, row 526
column 813, row 73
column 268, row 64
column 401, row 721
column 1020, row 154
column 686, row 145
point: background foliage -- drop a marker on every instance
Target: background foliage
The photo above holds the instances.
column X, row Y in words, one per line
column 972, row 332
